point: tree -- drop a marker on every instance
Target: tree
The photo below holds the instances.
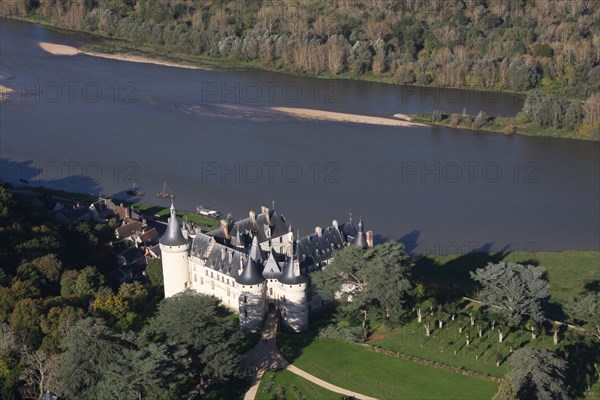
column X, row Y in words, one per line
column 90, row 348
column 146, row 371
column 100, row 365
column 505, row 391
column 154, row 271
column 89, row 280
column 211, row 338
column 365, row 279
column 390, row 285
column 513, row 290
column 538, row 374
column 585, row 310
column 39, row 374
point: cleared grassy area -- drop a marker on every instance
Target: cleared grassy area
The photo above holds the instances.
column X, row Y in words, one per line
column 281, row 382
column 569, row 272
column 353, row 367
column 448, row 345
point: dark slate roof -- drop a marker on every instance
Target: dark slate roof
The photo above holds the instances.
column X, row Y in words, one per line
column 248, row 228
column 225, row 260
column 287, row 275
column 361, row 237
column 173, row 235
column 200, row 245
column 130, row 255
column 314, row 249
column 251, row 275
column 348, row 231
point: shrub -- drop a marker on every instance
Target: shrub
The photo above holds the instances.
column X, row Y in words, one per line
column 349, row 334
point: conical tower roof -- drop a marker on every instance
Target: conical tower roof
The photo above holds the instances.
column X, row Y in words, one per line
column 288, row 274
column 361, row 237
column 251, row 274
column 173, row 235
column 255, row 252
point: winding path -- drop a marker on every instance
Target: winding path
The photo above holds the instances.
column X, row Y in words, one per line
column 265, row 356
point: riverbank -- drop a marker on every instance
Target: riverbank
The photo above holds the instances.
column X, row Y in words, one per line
column 112, row 47
column 505, row 125
column 160, row 212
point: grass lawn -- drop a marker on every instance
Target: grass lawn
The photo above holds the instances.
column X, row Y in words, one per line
column 569, row 272
column 448, row 346
column 353, row 367
column 281, row 382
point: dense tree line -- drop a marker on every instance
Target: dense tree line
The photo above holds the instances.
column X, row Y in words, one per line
column 64, row 327
column 496, row 44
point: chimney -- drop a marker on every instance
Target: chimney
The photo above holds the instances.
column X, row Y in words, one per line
column 370, row 238
column 225, row 226
column 252, row 215
column 265, row 211
column 335, row 224
column 319, row 231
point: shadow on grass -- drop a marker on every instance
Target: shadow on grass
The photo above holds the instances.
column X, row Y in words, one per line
column 291, row 345
column 451, row 280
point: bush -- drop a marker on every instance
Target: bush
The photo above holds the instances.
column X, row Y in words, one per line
column 350, row 334
column 480, row 120
column 510, row 129
column 542, row 50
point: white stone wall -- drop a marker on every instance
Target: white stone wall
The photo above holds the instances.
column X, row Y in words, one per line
column 252, row 306
column 208, row 281
column 294, row 309
column 175, row 268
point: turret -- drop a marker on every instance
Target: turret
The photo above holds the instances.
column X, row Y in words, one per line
column 361, row 237
column 174, row 247
column 293, row 287
column 251, row 285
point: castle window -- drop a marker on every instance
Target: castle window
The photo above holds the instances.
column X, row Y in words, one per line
column 245, row 299
column 271, row 291
column 211, row 274
column 201, row 281
column 195, row 278
column 206, row 272
column 245, row 312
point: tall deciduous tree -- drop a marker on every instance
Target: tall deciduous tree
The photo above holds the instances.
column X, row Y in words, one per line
column 513, row 290
column 538, row 374
column 585, row 309
column 212, row 339
column 366, row 279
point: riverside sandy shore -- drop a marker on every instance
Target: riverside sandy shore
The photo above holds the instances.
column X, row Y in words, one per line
column 62, row 50
column 396, row 120
column 3, row 92
column 399, row 120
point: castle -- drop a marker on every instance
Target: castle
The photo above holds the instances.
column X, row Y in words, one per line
column 255, row 265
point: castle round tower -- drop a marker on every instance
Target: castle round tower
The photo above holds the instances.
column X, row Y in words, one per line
column 293, row 294
column 251, row 285
column 174, row 247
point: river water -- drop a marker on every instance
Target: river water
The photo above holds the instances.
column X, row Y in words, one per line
column 94, row 125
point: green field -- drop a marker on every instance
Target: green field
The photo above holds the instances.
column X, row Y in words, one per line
column 569, row 272
column 292, row 386
column 353, row 367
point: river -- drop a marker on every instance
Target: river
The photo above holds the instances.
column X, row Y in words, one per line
column 93, row 125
